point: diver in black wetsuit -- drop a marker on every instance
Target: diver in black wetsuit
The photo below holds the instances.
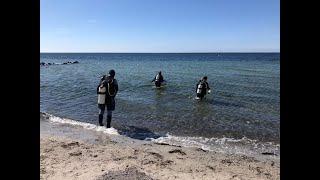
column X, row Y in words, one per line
column 202, row 87
column 158, row 79
column 111, row 88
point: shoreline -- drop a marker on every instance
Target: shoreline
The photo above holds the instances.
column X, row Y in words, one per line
column 71, row 152
column 243, row 146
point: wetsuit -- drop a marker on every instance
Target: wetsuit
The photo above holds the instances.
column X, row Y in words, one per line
column 205, row 88
column 158, row 80
column 112, row 89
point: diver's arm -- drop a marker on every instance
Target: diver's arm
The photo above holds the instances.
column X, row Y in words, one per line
column 116, row 86
column 207, row 85
column 154, row 79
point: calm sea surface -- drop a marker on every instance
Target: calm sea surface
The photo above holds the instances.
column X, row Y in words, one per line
column 245, row 98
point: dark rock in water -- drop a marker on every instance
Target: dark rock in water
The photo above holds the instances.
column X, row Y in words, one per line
column 69, row 62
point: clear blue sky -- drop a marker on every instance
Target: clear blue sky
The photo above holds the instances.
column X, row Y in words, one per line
column 160, row 26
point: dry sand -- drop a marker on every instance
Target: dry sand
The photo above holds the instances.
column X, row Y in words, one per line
column 64, row 158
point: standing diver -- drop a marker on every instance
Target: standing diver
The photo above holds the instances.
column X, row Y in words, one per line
column 202, row 88
column 107, row 90
column 158, row 79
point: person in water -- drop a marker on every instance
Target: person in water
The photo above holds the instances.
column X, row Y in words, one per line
column 158, row 79
column 107, row 90
column 202, row 87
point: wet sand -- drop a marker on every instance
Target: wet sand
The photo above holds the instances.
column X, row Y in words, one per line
column 69, row 152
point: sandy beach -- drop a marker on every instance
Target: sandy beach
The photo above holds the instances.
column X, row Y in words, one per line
column 66, row 153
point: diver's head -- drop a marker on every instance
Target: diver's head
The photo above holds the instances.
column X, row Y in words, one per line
column 112, row 73
column 205, row 78
column 159, row 73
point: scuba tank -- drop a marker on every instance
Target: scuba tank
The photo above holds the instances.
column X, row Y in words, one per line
column 102, row 95
column 157, row 82
column 200, row 88
column 157, row 77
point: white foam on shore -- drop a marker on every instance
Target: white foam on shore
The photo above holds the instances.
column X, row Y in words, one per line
column 243, row 146
column 111, row 131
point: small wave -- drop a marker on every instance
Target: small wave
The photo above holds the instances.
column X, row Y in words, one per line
column 111, row 131
column 244, row 145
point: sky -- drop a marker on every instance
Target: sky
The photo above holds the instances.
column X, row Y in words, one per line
column 159, row 25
